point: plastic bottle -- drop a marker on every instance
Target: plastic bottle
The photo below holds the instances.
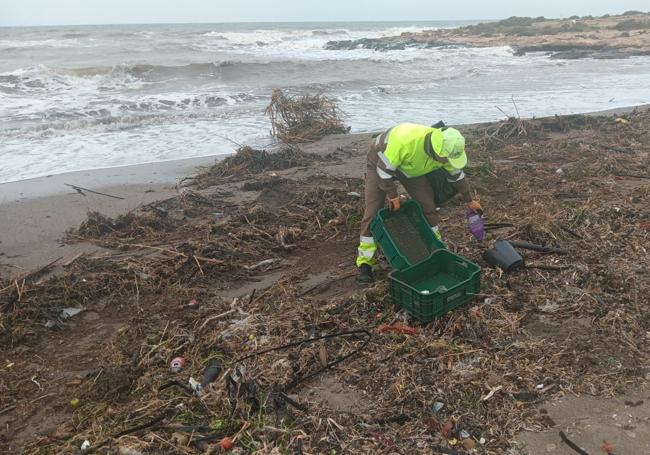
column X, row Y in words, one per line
column 475, row 225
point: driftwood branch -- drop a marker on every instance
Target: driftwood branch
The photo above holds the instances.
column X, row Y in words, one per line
column 539, row 248
column 81, row 189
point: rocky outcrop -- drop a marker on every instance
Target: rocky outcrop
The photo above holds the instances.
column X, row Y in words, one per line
column 577, row 51
column 606, row 37
column 386, row 44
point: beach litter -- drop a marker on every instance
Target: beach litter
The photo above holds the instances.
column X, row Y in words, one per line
column 177, row 364
column 67, row 313
column 397, row 328
column 437, row 407
column 307, row 327
column 210, row 374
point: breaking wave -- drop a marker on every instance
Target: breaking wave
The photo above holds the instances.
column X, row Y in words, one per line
column 42, row 79
column 328, row 32
column 112, row 95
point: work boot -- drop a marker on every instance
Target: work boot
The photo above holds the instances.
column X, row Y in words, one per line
column 365, row 274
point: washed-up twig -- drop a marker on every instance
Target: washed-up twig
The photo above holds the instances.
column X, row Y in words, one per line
column 7, row 409
column 81, row 189
column 539, row 248
column 145, row 425
column 572, row 444
column 547, row 267
column 179, row 384
column 447, row 450
column 151, row 247
column 287, row 399
column 209, row 260
column 218, row 316
column 301, row 342
column 42, row 269
column 399, row 419
column 327, row 283
column 230, row 140
column 29, row 276
column 569, row 231
column 262, row 263
column 258, row 229
column 634, row 176
column 612, row 148
column 503, row 112
column 167, row 413
column 398, row 328
column 491, row 393
column 47, row 395
column 187, row 428
column 71, row 261
column 198, row 264
column 512, row 97
column 562, row 195
column 491, row 226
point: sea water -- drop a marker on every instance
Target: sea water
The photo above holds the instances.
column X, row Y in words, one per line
column 85, row 97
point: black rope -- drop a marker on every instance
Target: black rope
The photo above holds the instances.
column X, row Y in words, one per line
column 308, row 341
column 572, row 444
column 151, row 423
column 169, row 384
column 301, row 379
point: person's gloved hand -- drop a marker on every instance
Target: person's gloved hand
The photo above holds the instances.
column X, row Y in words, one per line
column 475, row 206
column 394, row 204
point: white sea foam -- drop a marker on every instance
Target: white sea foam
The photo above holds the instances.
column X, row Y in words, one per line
column 48, row 43
column 110, row 96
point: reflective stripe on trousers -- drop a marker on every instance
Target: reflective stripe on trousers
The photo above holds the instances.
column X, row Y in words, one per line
column 366, row 251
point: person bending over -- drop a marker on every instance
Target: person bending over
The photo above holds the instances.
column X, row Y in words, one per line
column 408, row 152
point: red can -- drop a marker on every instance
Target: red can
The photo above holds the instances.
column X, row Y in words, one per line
column 177, row 364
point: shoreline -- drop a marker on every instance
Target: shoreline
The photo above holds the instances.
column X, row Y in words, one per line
column 37, row 212
column 166, row 172
column 262, row 250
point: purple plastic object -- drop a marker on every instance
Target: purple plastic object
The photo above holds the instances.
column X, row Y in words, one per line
column 475, row 224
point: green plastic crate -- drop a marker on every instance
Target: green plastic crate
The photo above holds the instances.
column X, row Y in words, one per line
column 405, row 236
column 435, row 286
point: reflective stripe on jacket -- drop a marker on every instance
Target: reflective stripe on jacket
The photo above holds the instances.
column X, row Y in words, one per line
column 405, row 150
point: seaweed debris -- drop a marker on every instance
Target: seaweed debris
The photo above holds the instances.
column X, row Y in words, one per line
column 248, row 162
column 237, row 288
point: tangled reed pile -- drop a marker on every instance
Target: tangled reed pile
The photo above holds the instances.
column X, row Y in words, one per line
column 303, row 118
column 248, row 161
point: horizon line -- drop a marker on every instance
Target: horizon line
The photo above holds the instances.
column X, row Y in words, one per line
column 387, row 21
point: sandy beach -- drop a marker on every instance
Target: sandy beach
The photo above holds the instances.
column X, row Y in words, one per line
column 35, row 213
column 265, row 252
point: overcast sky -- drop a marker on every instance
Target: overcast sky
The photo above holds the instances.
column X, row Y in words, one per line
column 67, row 12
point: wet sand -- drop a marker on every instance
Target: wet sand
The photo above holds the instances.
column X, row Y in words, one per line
column 35, row 213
